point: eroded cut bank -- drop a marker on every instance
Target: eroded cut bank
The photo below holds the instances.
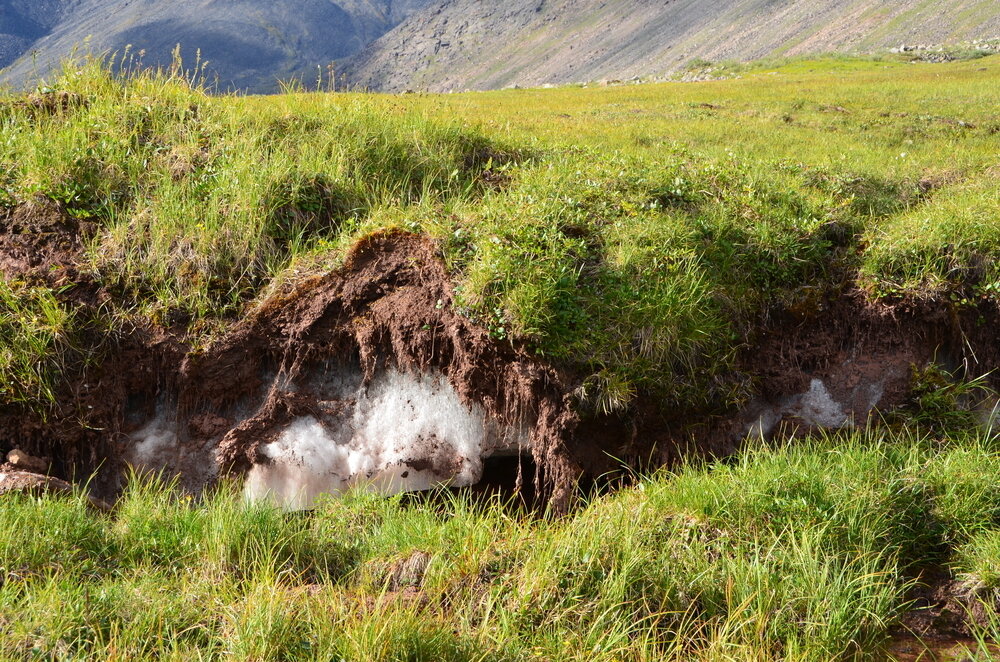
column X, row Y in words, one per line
column 365, row 376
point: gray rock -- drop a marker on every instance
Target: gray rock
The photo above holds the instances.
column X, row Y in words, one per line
column 498, row 44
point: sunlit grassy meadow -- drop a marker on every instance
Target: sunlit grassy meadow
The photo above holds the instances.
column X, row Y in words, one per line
column 802, row 553
column 663, row 219
column 637, row 235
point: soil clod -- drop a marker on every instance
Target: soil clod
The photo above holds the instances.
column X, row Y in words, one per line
column 24, row 462
column 24, row 482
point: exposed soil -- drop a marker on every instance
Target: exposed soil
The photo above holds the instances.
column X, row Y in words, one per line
column 40, row 241
column 42, row 245
column 42, row 104
column 23, row 482
column 857, row 356
column 939, row 626
column 831, row 362
column 948, row 608
column 389, row 306
column 863, row 355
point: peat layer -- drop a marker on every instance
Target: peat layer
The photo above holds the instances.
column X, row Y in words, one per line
column 367, row 374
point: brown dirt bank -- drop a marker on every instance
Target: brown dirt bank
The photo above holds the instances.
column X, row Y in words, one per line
column 389, row 306
column 831, row 364
column 838, row 364
column 42, row 245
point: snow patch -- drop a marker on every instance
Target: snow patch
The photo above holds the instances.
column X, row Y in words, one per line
column 817, row 407
column 405, row 432
column 402, row 432
column 763, row 424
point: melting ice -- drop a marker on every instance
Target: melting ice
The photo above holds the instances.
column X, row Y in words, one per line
column 405, row 432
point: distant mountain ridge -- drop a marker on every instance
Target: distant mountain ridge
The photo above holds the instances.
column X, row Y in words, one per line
column 441, row 45
column 478, row 44
column 22, row 22
column 249, row 44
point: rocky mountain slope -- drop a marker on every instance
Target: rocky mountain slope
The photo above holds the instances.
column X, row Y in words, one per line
column 249, row 44
column 440, row 45
column 22, row 22
column 477, row 44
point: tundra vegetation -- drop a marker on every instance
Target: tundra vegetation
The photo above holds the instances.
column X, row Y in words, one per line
column 634, row 235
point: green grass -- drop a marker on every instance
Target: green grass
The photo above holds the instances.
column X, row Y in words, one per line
column 635, row 235
column 34, row 327
column 805, row 552
column 946, row 249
